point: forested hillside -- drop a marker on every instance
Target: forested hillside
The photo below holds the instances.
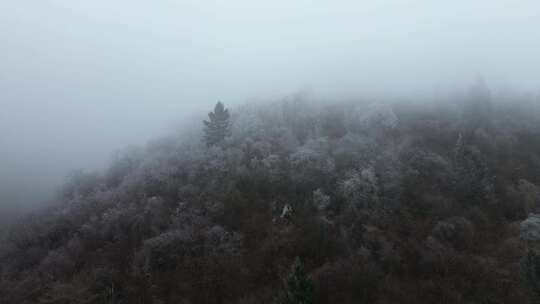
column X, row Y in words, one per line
column 297, row 201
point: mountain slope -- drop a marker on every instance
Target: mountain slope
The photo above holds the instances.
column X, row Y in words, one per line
column 384, row 203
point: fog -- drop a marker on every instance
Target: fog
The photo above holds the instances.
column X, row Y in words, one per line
column 82, row 79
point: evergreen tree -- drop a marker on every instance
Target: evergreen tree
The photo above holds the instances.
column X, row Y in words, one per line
column 218, row 125
column 298, row 287
column 478, row 109
column 531, row 267
column 473, row 181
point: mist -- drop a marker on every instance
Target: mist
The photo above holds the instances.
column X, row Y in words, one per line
column 80, row 80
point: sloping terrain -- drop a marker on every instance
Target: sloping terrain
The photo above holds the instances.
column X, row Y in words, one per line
column 383, row 203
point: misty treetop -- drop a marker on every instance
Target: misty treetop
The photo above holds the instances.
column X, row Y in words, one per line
column 217, row 127
column 298, row 201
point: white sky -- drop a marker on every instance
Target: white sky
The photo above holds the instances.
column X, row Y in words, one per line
column 79, row 79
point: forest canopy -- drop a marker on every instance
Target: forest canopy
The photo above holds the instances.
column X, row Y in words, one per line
column 297, row 201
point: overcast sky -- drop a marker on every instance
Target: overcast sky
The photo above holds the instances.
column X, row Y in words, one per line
column 81, row 79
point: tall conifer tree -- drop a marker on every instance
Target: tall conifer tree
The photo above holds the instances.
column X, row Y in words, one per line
column 298, row 287
column 217, row 127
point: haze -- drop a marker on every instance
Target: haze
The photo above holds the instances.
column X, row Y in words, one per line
column 82, row 79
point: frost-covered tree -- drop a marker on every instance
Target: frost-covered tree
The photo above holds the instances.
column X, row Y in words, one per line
column 374, row 116
column 321, row 200
column 360, row 188
column 217, row 127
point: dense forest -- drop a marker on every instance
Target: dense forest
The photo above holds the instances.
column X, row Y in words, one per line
column 300, row 201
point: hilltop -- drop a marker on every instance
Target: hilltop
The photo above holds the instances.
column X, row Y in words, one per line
column 374, row 202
